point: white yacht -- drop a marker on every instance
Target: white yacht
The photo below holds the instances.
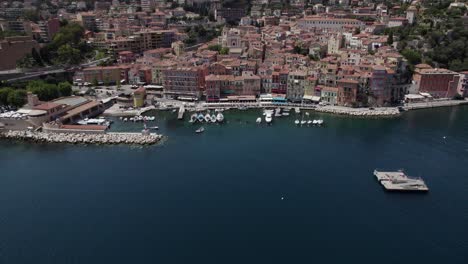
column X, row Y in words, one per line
column 259, row 120
column 309, row 122
column 220, row 117
column 315, row 122
column 193, row 118
column 399, row 181
column 200, row 117
column 213, row 118
column 207, row 117
column 297, row 122
column 319, row 122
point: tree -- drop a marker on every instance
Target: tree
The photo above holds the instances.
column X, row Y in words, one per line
column 390, row 38
column 4, row 92
column 66, row 54
column 37, row 57
column 17, row 98
column 215, row 47
column 64, row 88
column 412, row 56
column 224, row 51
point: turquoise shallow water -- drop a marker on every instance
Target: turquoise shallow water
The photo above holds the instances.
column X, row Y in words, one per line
column 216, row 197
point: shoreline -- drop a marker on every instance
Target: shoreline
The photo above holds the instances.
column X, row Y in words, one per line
column 110, row 138
column 376, row 112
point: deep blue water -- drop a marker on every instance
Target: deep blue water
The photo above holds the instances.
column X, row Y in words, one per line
column 216, row 197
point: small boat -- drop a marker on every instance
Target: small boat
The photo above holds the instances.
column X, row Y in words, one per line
column 213, row 119
column 242, row 108
column 193, row 118
column 220, row 117
column 297, row 110
column 207, row 117
column 315, row 122
column 174, row 110
column 154, row 127
column 303, row 122
column 285, row 114
column 268, row 118
column 200, row 118
column 297, row 122
column 200, row 130
column 121, row 118
column 307, row 113
column 259, row 120
column 278, row 112
column 309, row 122
column 319, row 122
column 125, row 119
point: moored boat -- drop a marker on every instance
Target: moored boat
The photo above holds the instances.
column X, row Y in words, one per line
column 213, row 118
column 200, row 130
column 220, row 117
column 259, row 120
column 201, row 117
column 297, row 122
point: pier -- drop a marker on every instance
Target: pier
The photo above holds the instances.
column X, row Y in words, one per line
column 180, row 115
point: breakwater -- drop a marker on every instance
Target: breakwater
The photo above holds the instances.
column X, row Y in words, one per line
column 359, row 111
column 77, row 138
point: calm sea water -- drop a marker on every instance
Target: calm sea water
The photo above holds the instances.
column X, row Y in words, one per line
column 217, row 197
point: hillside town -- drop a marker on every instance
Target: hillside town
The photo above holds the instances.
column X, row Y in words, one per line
column 343, row 53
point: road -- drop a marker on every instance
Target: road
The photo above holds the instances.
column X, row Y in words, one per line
column 32, row 75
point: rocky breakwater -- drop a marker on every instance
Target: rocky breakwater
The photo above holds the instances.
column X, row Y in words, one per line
column 364, row 112
column 77, row 138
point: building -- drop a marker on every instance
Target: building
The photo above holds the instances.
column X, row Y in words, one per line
column 139, row 97
column 297, row 85
column 230, row 14
column 328, row 23
column 13, row 49
column 347, row 92
column 221, row 87
column 184, row 82
column 329, row 94
column 379, row 86
column 463, row 84
column 87, row 20
column 49, row 28
column 106, row 74
column 335, row 43
column 439, row 83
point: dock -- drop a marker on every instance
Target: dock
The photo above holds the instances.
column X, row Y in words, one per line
column 399, row 181
column 180, row 115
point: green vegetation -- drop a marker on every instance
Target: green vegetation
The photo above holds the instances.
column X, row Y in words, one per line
column 10, row 96
column 439, row 37
column 8, row 33
column 67, row 47
column 48, row 91
column 224, row 51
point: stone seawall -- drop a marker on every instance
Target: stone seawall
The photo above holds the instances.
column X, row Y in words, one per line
column 359, row 111
column 76, row 138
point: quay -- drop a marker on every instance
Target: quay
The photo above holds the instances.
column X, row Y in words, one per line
column 109, row 138
column 399, row 181
column 180, row 115
column 339, row 110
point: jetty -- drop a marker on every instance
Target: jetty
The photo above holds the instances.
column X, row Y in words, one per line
column 399, row 181
column 109, row 138
column 180, row 115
